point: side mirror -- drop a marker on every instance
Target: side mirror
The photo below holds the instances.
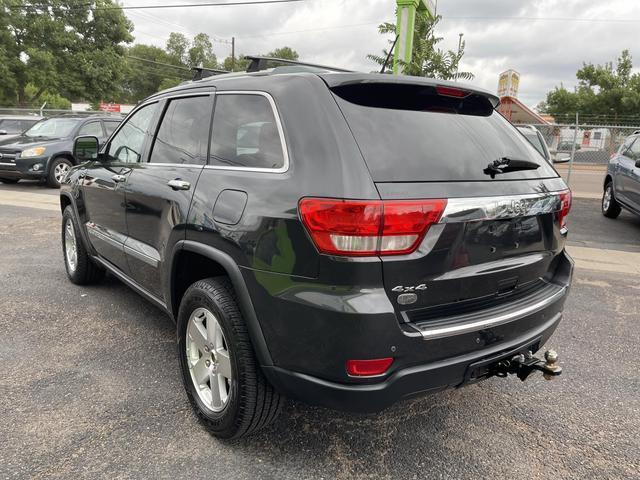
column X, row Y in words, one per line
column 3, row 132
column 86, row 148
column 637, row 163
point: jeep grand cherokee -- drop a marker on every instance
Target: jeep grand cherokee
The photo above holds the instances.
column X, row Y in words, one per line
column 345, row 239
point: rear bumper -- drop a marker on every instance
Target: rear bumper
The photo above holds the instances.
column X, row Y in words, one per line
column 405, row 383
column 309, row 349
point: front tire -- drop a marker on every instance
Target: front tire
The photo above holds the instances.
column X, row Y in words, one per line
column 58, row 171
column 610, row 207
column 80, row 268
column 221, row 375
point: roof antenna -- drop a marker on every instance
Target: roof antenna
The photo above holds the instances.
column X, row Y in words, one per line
column 386, row 61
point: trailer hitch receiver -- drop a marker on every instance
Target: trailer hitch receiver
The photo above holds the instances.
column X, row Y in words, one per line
column 524, row 364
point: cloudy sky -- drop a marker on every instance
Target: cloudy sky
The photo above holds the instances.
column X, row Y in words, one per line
column 545, row 40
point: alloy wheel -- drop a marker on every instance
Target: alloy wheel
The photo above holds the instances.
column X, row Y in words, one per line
column 208, row 359
column 606, row 199
column 70, row 247
column 60, row 171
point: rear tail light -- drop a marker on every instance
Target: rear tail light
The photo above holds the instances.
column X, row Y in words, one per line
column 368, row 368
column 368, row 227
column 565, row 206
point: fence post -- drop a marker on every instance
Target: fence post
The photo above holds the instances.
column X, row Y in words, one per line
column 573, row 151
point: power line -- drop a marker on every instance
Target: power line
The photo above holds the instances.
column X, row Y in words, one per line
column 268, row 34
column 158, row 63
column 155, row 7
column 546, row 19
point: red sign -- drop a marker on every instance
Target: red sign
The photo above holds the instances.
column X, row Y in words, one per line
column 110, row 107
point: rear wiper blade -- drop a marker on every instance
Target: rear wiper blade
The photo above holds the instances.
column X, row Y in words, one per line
column 507, row 164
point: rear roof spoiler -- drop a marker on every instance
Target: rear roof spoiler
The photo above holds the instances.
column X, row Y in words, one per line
column 335, row 80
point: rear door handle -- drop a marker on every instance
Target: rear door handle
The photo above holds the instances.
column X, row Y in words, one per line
column 178, row 184
column 119, row 178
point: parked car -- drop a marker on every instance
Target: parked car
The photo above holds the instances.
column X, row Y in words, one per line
column 13, row 125
column 44, row 151
column 346, row 239
column 536, row 139
column 622, row 182
column 533, row 135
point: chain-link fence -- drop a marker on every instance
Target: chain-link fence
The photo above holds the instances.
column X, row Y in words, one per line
column 593, row 143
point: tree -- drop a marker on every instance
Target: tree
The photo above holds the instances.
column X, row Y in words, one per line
column 147, row 72
column 201, row 52
column 427, row 60
column 284, row 52
column 177, row 48
column 606, row 91
column 239, row 64
column 63, row 46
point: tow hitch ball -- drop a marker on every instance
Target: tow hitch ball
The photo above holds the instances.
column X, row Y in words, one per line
column 524, row 364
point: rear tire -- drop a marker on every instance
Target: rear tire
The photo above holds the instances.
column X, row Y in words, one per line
column 80, row 268
column 9, row 181
column 221, row 375
column 610, row 207
column 57, row 171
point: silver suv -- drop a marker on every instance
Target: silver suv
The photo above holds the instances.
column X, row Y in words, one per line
column 622, row 182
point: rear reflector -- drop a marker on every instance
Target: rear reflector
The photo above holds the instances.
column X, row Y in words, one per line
column 451, row 92
column 565, row 206
column 368, row 368
column 368, row 227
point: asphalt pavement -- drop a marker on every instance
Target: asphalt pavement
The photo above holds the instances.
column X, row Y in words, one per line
column 90, row 384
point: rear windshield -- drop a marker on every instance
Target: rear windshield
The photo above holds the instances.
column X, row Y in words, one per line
column 420, row 138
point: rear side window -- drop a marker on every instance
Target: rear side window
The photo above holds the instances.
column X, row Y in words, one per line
column 634, row 150
column 92, row 128
column 11, row 126
column 413, row 134
column 245, row 133
column 110, row 126
column 184, row 132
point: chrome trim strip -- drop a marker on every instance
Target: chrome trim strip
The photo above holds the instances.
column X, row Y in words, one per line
column 440, row 332
column 12, row 164
column 143, row 252
column 141, row 256
column 460, row 210
column 100, row 234
column 283, row 143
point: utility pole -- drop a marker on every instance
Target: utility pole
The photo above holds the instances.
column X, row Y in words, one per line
column 233, row 53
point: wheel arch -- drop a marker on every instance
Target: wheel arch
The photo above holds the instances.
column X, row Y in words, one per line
column 66, row 155
column 608, row 178
column 212, row 262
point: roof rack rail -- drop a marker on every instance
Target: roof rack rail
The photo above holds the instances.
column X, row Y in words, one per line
column 260, row 63
column 201, row 72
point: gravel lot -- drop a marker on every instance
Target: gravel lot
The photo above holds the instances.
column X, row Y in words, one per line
column 90, row 387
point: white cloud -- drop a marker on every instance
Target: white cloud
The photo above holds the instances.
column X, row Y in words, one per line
column 343, row 32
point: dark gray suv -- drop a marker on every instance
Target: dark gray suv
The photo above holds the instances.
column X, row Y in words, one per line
column 622, row 182
column 45, row 151
column 346, row 239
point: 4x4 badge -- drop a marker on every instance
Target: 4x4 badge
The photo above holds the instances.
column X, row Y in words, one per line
column 401, row 289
